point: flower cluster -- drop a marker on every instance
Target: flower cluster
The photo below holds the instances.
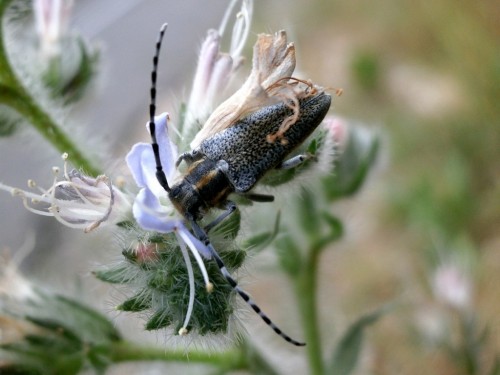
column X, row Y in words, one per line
column 77, row 201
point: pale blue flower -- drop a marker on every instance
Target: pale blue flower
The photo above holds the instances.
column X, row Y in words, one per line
column 149, row 209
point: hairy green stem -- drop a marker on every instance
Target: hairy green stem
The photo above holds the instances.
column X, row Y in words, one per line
column 305, row 290
column 44, row 124
column 245, row 358
column 14, row 95
column 123, row 351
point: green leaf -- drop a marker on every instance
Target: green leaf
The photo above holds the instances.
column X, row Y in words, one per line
column 162, row 280
column 139, row 302
column 260, row 241
column 73, row 86
column 229, row 227
column 9, row 122
column 99, row 358
column 289, row 255
column 126, row 224
column 234, row 259
column 157, row 321
column 345, row 357
column 495, row 369
column 89, row 324
column 336, row 226
column 55, row 326
column 119, row 274
column 308, row 214
column 18, row 369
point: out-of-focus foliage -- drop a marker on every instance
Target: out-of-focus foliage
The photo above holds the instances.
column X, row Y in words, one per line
column 429, row 73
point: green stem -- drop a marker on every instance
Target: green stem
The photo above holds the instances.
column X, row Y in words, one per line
column 245, row 358
column 5, row 68
column 305, row 290
column 44, row 124
column 14, row 95
column 123, row 351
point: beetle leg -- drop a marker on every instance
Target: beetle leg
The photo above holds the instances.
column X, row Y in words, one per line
column 189, row 157
column 295, row 161
column 203, row 237
column 256, row 197
column 229, row 208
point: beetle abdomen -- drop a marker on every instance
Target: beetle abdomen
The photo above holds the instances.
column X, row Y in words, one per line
column 245, row 148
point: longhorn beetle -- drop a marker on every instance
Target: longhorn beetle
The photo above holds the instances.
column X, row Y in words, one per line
column 233, row 161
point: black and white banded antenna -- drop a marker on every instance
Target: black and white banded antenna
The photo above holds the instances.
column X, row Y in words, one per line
column 160, row 173
column 198, row 231
column 203, row 237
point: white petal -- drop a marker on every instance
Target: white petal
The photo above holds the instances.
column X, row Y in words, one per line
column 194, row 243
column 151, row 215
column 168, row 151
column 141, row 162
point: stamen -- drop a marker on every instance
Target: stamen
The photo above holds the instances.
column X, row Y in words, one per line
column 210, row 288
column 87, row 214
column 197, row 256
column 64, row 157
column 110, row 205
column 241, row 28
column 183, row 331
column 227, row 14
column 237, row 31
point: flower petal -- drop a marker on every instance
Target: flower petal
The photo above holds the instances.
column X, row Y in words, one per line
column 168, row 150
column 151, row 215
column 141, row 160
column 193, row 242
column 206, row 61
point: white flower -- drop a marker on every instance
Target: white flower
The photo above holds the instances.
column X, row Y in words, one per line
column 453, row 286
column 77, row 201
column 269, row 82
column 51, row 18
column 152, row 215
column 215, row 69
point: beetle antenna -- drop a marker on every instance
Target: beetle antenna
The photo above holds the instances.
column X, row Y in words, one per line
column 203, row 237
column 160, row 174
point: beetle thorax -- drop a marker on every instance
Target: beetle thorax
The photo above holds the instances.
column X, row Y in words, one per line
column 205, row 185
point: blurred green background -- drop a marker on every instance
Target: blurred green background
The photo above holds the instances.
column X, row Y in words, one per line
column 426, row 74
